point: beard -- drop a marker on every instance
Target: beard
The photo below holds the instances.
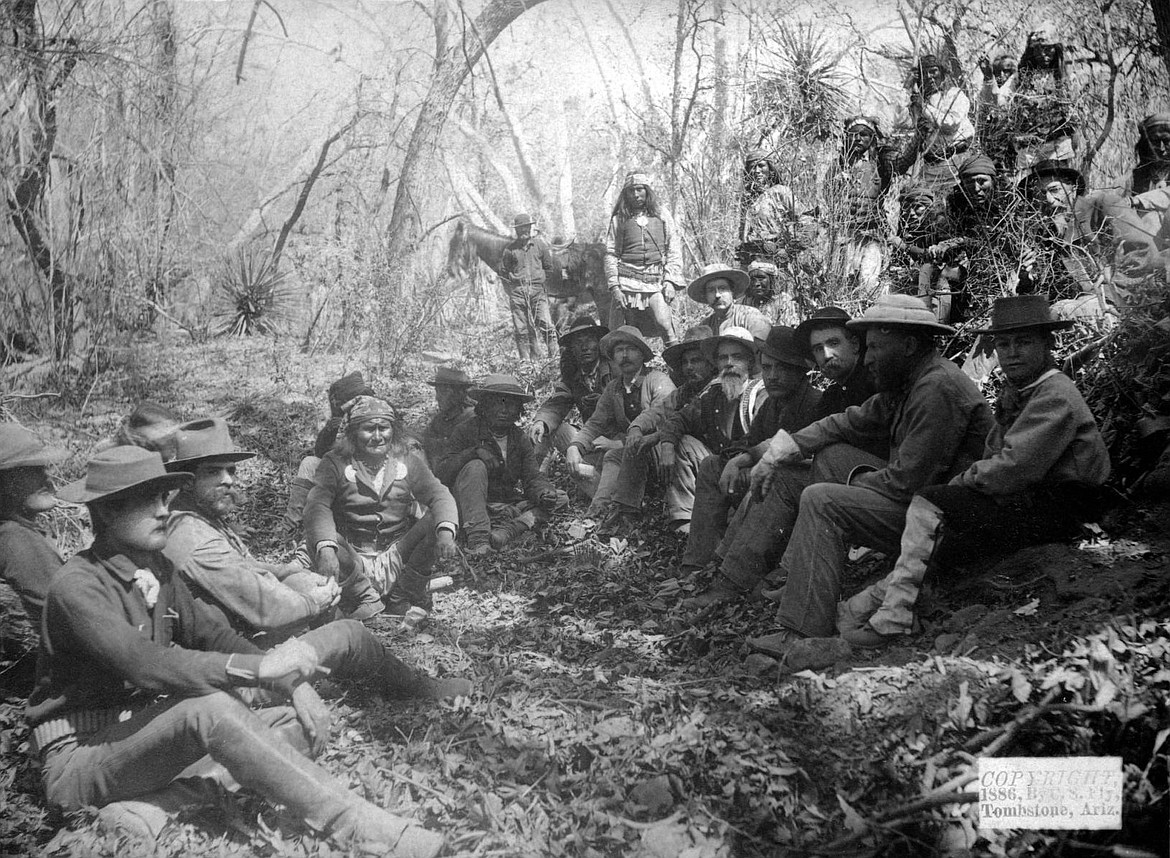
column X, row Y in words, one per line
column 733, row 382
column 218, row 503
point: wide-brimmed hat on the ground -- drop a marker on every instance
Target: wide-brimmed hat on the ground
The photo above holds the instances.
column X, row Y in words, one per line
column 730, row 334
column 697, row 290
column 350, row 385
column 900, row 311
column 450, row 376
column 20, row 448
column 1020, row 312
column 580, row 325
column 119, row 470
column 693, row 338
column 786, row 345
column 498, row 384
column 625, row 334
column 205, row 440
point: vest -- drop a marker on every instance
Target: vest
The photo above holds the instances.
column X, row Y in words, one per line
column 641, row 245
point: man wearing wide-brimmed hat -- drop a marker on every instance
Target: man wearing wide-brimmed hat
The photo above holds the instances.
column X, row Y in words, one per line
column 839, row 355
column 792, row 403
column 710, row 422
column 643, row 260
column 584, row 374
column 1039, row 477
column 138, row 682
column 455, row 408
column 935, row 420
column 27, row 557
column 720, row 287
column 1061, row 232
column 628, row 400
column 491, row 467
column 524, row 267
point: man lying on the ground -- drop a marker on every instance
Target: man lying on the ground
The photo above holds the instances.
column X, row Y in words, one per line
column 1039, row 477
column 723, row 480
column 720, row 287
column 935, row 421
column 628, row 400
column 711, row 422
column 27, row 557
column 139, row 685
column 584, row 374
column 485, row 461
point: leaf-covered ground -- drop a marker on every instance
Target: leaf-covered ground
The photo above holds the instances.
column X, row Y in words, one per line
column 608, row 721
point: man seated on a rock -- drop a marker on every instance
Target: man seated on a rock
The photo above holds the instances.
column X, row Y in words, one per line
column 139, row 685
column 27, row 557
column 934, row 419
column 723, row 480
column 711, row 422
column 626, row 401
column 342, row 393
column 720, row 287
column 584, row 374
column 455, row 409
column 1039, row 477
column 486, row 459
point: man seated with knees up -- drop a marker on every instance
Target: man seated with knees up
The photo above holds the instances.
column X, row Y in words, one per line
column 627, row 401
column 485, row 460
column 584, row 374
column 932, row 416
column 1039, row 477
column 139, row 685
column 455, row 409
column 723, row 480
column 720, row 287
column 711, row 422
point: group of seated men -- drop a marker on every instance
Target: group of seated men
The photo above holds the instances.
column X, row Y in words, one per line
column 169, row 655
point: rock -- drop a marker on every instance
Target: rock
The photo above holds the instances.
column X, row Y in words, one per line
column 964, row 618
column 654, row 794
column 758, row 664
column 816, row 653
column 945, row 643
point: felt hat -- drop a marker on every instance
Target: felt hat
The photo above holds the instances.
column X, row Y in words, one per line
column 697, row 290
column 20, row 448
column 730, row 334
column 787, row 346
column 522, row 219
column 636, row 178
column 580, row 325
column 498, row 384
column 350, row 385
column 978, row 165
column 900, row 311
column 201, row 440
column 1020, row 312
column 822, row 317
column 626, row 334
column 1046, row 169
column 693, row 338
column 370, row 408
column 450, row 376
column 122, row 469
column 768, row 268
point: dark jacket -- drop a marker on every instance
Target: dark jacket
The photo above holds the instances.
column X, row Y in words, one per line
column 791, row 415
column 610, row 421
column 519, row 465
column 441, row 426
column 935, row 427
column 27, row 562
column 343, row 502
column 327, row 436
column 703, row 418
column 103, row 648
column 574, row 390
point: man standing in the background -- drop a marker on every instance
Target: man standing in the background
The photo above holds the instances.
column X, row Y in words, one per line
column 524, row 267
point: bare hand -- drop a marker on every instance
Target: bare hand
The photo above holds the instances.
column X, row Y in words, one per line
column 537, row 432
column 666, row 462
column 782, row 448
column 573, row 460
column 762, row 477
column 735, row 476
column 290, row 663
column 604, row 443
column 635, row 440
column 445, row 544
column 985, row 67
column 328, row 566
column 618, row 297
column 314, row 716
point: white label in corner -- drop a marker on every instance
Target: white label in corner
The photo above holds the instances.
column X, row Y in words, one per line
column 1068, row 793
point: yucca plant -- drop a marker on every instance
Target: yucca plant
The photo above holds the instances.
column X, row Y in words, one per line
column 253, row 293
column 799, row 88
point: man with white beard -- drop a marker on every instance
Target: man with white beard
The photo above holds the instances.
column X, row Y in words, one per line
column 712, row 421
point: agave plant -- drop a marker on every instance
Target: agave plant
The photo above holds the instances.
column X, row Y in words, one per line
column 799, row 87
column 253, row 292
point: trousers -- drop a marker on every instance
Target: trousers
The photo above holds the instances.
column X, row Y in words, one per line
column 709, row 514
column 689, row 455
column 622, row 479
column 532, row 324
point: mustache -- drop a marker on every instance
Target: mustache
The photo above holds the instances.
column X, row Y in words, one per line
column 733, row 372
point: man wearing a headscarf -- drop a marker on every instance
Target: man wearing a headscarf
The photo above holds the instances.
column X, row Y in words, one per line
column 941, row 114
column 770, row 213
column 643, row 261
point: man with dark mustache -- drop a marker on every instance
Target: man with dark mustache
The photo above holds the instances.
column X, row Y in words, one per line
column 720, row 287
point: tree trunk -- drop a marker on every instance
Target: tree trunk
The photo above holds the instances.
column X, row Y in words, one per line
column 452, row 65
column 1162, row 22
column 565, row 186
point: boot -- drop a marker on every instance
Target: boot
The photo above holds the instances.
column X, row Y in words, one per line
column 359, row 598
column 298, row 493
column 411, row 589
column 898, row 591
column 372, row 829
column 510, row 529
column 722, row 591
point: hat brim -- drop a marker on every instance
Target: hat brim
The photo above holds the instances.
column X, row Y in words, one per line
column 1066, row 174
column 480, row 392
column 42, row 458
column 77, row 492
column 610, row 341
column 233, row 456
column 599, row 330
column 673, row 354
column 798, row 361
column 809, row 325
column 697, row 290
column 710, row 345
column 1054, row 325
column 433, row 383
column 934, row 327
